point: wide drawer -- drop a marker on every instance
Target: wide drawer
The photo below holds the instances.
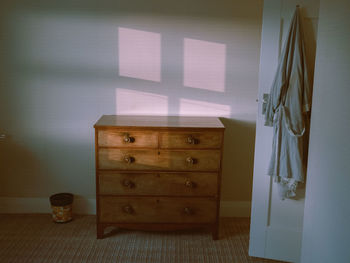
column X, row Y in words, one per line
column 156, row 210
column 174, row 160
column 207, row 139
column 130, row 139
column 175, row 184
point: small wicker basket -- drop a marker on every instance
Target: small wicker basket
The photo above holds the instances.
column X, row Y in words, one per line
column 61, row 205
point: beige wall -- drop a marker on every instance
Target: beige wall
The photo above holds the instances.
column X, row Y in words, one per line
column 66, row 64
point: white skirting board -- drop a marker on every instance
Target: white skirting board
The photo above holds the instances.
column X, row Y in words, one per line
column 30, row 205
column 17, row 205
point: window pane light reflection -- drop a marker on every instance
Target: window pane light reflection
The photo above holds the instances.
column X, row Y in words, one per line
column 132, row 102
column 204, row 65
column 202, row 108
column 139, row 54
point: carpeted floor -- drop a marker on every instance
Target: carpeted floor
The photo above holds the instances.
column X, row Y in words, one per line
column 35, row 238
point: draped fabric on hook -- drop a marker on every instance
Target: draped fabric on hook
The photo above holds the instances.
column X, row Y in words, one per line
column 289, row 100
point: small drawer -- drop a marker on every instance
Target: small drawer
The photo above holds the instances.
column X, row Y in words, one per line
column 191, row 140
column 130, row 139
column 127, row 159
column 166, row 160
column 190, row 160
column 156, row 210
column 174, row 184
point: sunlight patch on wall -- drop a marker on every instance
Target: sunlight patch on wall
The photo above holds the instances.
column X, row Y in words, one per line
column 139, row 54
column 131, row 102
column 204, row 65
column 202, row 108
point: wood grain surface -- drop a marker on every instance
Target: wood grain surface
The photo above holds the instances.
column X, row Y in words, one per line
column 157, row 210
column 170, row 184
column 195, row 140
column 116, row 138
column 158, row 172
column 162, row 160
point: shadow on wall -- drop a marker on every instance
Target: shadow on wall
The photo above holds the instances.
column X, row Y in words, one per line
column 67, row 68
column 15, row 159
column 238, row 160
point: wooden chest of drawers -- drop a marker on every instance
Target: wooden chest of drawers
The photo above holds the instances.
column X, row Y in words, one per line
column 158, row 173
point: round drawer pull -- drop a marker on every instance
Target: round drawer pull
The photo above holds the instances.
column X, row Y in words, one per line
column 190, row 184
column 128, row 209
column 192, row 140
column 188, row 211
column 128, row 139
column 129, row 159
column 191, row 160
column 128, row 183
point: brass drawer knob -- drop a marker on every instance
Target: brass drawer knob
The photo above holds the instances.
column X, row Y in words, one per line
column 190, row 184
column 188, row 211
column 192, row 140
column 128, row 183
column 128, row 209
column 129, row 159
column 128, row 139
column 191, row 160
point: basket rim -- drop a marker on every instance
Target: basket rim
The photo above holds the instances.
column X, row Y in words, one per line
column 61, row 199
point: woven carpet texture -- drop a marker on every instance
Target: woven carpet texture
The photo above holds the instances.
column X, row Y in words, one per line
column 35, row 238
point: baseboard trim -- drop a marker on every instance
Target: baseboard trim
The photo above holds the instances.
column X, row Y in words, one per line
column 30, row 205
column 15, row 205
column 23, row 205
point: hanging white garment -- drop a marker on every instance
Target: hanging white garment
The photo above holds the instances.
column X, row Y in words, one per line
column 288, row 102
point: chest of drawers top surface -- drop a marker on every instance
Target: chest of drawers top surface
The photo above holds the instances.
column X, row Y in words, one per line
column 158, row 122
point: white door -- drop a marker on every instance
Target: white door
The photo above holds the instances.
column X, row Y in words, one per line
column 276, row 225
